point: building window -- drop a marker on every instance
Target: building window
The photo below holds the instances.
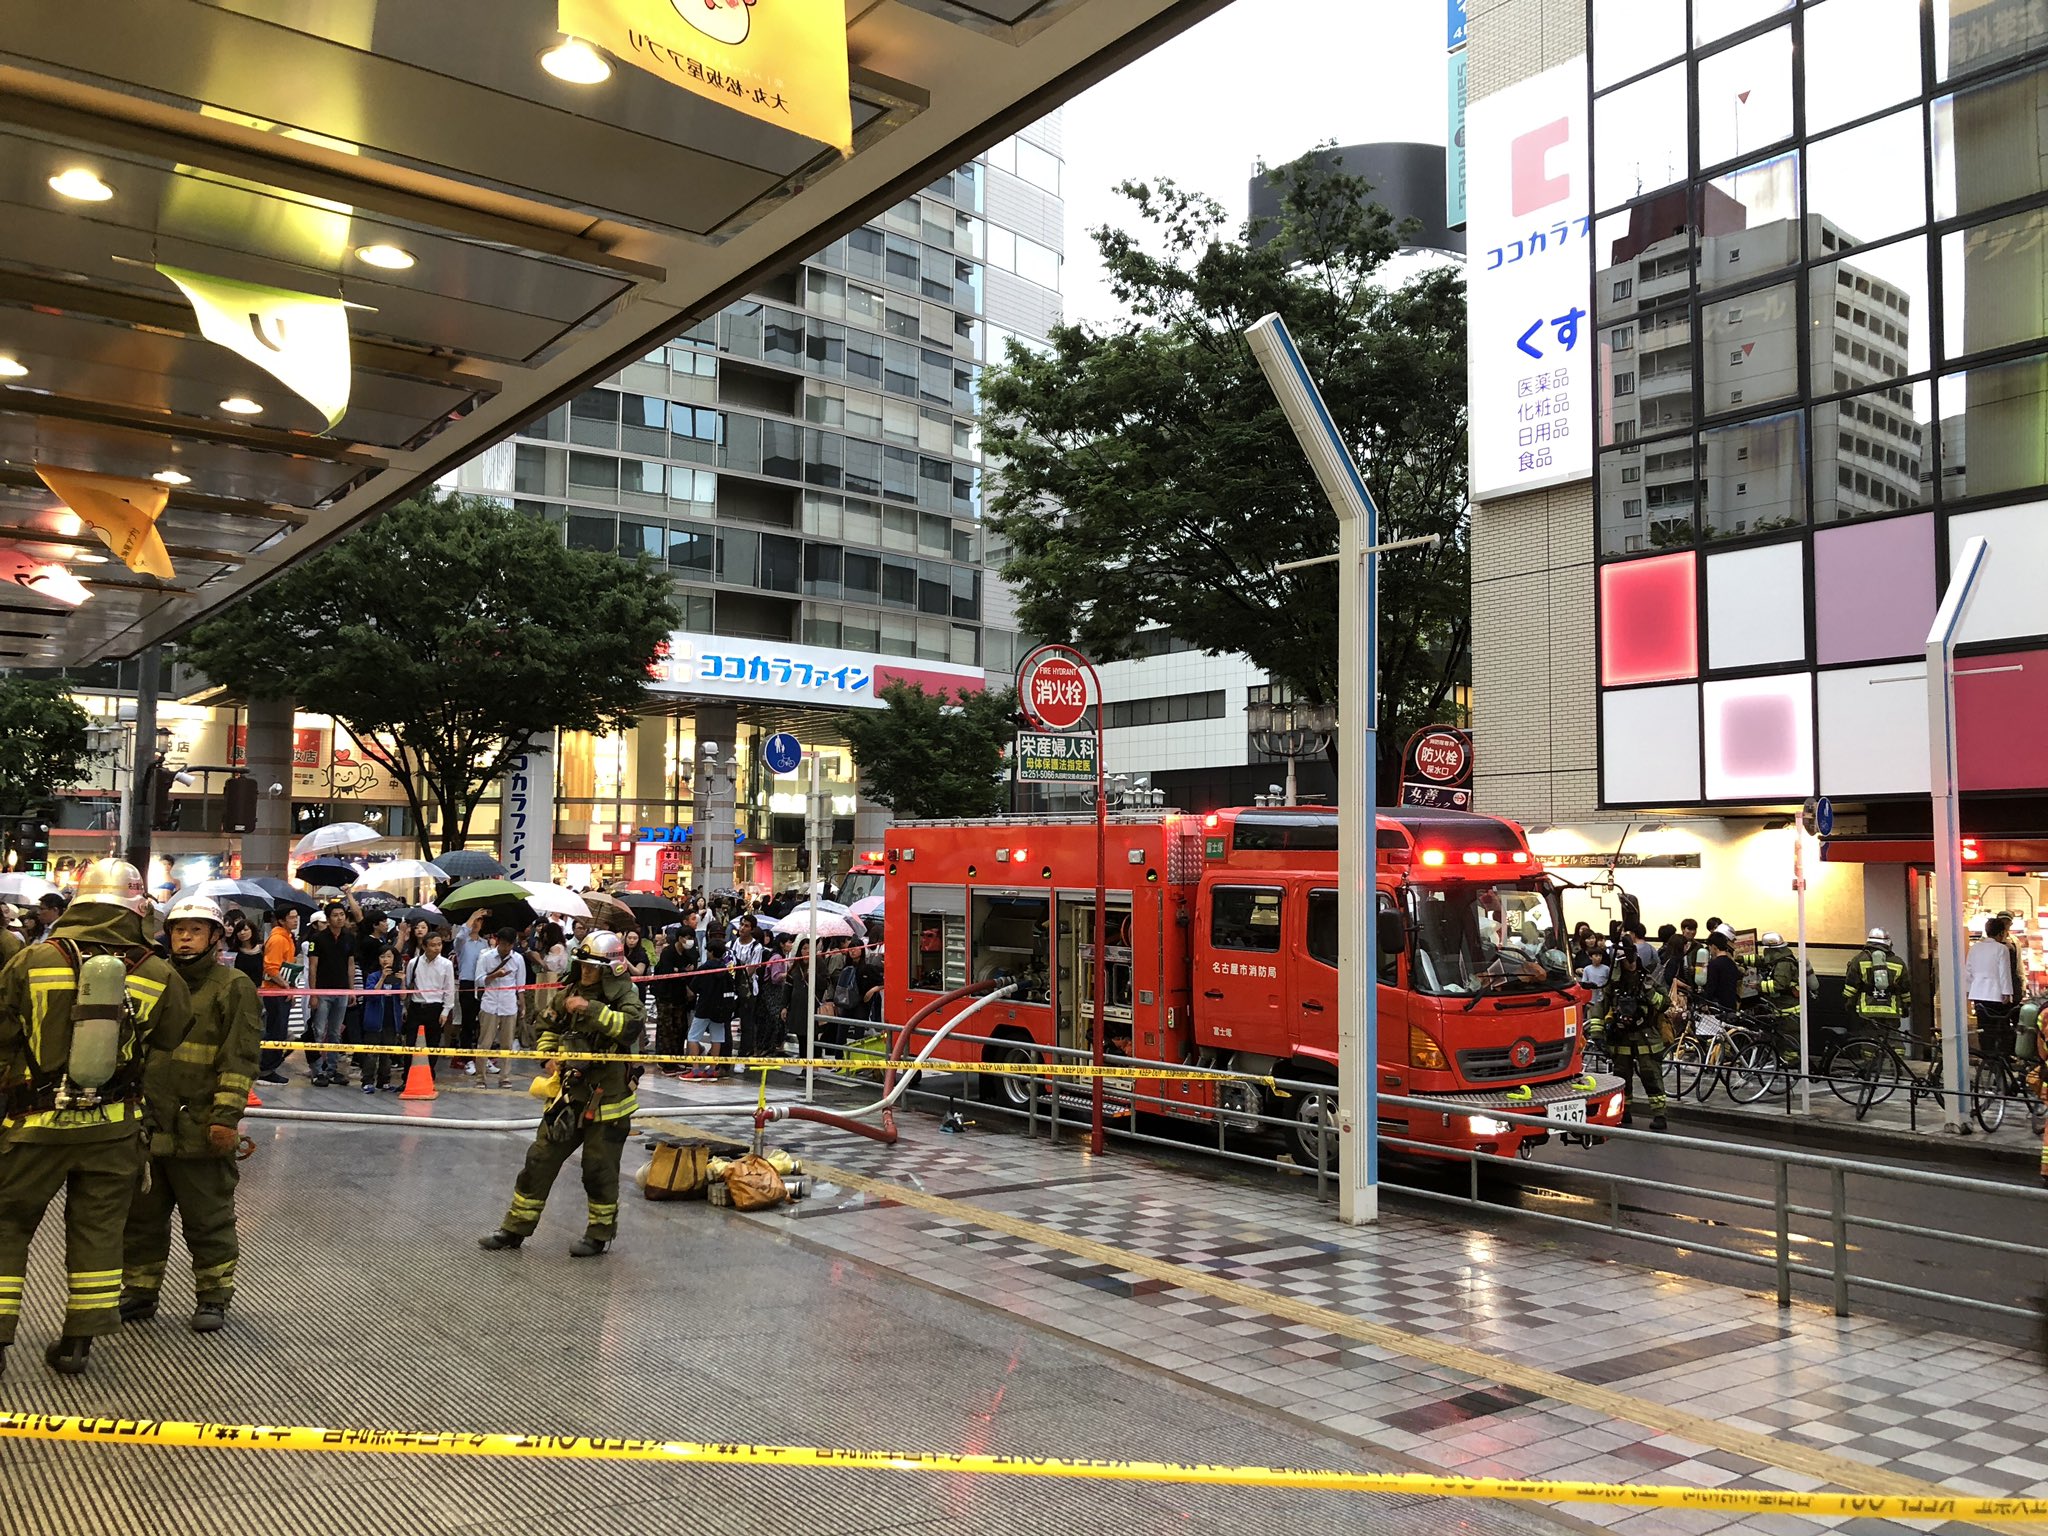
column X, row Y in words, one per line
column 1624, row 383
column 1623, row 287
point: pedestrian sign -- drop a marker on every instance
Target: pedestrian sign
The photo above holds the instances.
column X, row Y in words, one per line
column 782, row 753
column 1824, row 816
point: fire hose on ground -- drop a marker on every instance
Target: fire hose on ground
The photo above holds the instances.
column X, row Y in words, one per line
column 844, row 1120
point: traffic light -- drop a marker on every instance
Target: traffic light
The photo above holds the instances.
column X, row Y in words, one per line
column 32, row 843
column 163, row 809
column 238, row 804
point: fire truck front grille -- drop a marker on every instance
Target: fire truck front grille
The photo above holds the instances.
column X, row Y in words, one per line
column 1490, row 1066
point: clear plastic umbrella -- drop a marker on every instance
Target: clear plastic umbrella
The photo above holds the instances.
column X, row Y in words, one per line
column 554, row 900
column 336, row 834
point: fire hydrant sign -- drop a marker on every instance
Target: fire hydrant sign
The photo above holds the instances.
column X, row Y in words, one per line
column 1053, row 690
column 1047, row 757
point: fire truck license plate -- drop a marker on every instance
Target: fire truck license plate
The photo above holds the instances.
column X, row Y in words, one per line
column 1571, row 1112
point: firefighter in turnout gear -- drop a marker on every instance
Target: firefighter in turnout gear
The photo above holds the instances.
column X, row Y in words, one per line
column 194, row 1091
column 1777, row 968
column 79, row 1013
column 598, row 1012
column 1635, row 1034
column 1874, row 986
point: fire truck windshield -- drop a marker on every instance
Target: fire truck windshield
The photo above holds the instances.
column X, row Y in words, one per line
column 1487, row 938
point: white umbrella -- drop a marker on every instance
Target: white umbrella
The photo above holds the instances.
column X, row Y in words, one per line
column 24, row 889
column 831, row 925
column 229, row 893
column 394, row 872
column 336, row 834
column 554, row 900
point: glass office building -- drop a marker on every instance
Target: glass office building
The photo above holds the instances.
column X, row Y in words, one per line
column 806, row 465
column 1818, row 293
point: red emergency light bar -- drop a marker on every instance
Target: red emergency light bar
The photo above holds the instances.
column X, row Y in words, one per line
column 1436, row 858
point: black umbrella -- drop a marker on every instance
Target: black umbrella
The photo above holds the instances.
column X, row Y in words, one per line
column 650, row 907
column 432, row 916
column 470, row 864
column 328, row 872
column 285, row 894
column 378, row 901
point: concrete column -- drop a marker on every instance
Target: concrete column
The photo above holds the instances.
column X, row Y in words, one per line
column 267, row 850
column 713, row 785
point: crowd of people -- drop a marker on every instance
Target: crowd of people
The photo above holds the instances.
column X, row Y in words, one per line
column 719, row 983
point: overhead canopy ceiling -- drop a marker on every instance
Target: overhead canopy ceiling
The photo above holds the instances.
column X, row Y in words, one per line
column 557, row 232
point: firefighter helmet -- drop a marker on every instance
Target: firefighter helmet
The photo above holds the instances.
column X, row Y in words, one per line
column 116, row 883
column 1773, row 939
column 1879, row 936
column 604, row 948
column 201, row 909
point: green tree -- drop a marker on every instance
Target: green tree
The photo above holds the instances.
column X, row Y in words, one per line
column 448, row 636
column 1147, row 476
column 43, row 742
column 929, row 755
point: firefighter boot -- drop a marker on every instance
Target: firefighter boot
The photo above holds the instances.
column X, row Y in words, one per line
column 492, row 1242
column 210, row 1317
column 138, row 1306
column 68, row 1355
column 587, row 1247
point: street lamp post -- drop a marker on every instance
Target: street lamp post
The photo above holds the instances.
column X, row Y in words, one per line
column 1292, row 730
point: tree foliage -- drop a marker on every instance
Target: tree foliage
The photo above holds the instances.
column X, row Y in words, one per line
column 43, row 742
column 928, row 755
column 1149, row 477
column 448, row 636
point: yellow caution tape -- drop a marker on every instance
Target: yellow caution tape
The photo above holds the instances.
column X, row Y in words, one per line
column 1079, row 1069
column 276, row 1437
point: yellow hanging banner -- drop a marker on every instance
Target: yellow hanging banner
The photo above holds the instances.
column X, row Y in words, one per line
column 121, row 512
column 782, row 61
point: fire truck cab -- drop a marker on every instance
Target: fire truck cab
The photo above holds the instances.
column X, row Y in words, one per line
column 1222, row 950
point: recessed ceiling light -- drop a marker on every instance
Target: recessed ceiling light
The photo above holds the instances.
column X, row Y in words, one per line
column 392, row 258
column 241, row 405
column 11, row 369
column 577, row 62
column 81, row 184
column 171, row 477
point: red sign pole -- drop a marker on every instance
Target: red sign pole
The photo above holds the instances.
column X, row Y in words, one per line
column 1057, row 707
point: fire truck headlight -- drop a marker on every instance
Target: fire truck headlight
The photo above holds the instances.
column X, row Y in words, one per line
column 1614, row 1104
column 1484, row 1125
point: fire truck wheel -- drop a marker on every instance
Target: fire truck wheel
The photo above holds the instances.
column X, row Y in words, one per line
column 1314, row 1130
column 1009, row 1089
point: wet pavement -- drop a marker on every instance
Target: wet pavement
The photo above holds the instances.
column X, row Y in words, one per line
column 972, row 1291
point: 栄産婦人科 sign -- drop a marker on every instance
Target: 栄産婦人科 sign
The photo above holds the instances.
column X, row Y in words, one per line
column 1045, row 757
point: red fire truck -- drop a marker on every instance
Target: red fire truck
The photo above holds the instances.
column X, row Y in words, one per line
column 1222, row 953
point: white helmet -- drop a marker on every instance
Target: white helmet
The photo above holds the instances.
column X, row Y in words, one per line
column 1773, row 938
column 1879, row 936
column 604, row 948
column 116, row 883
column 202, row 909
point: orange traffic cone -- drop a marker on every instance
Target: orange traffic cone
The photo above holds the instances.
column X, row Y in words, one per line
column 254, row 1102
column 419, row 1077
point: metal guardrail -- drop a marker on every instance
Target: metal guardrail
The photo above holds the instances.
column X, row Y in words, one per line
column 1836, row 1278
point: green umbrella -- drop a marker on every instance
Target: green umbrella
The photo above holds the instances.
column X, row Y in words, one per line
column 484, row 893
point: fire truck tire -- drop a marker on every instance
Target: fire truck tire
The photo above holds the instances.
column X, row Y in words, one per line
column 1315, row 1118
column 1011, row 1090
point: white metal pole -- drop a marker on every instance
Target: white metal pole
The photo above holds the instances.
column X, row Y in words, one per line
column 1799, row 885
column 811, row 944
column 1358, row 1145
column 1292, row 798
column 1951, row 1008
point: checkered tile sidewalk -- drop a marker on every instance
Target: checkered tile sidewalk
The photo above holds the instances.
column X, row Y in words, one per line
column 1970, row 1415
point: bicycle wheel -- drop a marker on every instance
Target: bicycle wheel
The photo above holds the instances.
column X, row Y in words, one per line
column 1684, row 1065
column 1751, row 1074
column 1712, row 1067
column 1862, row 1072
column 1987, row 1095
